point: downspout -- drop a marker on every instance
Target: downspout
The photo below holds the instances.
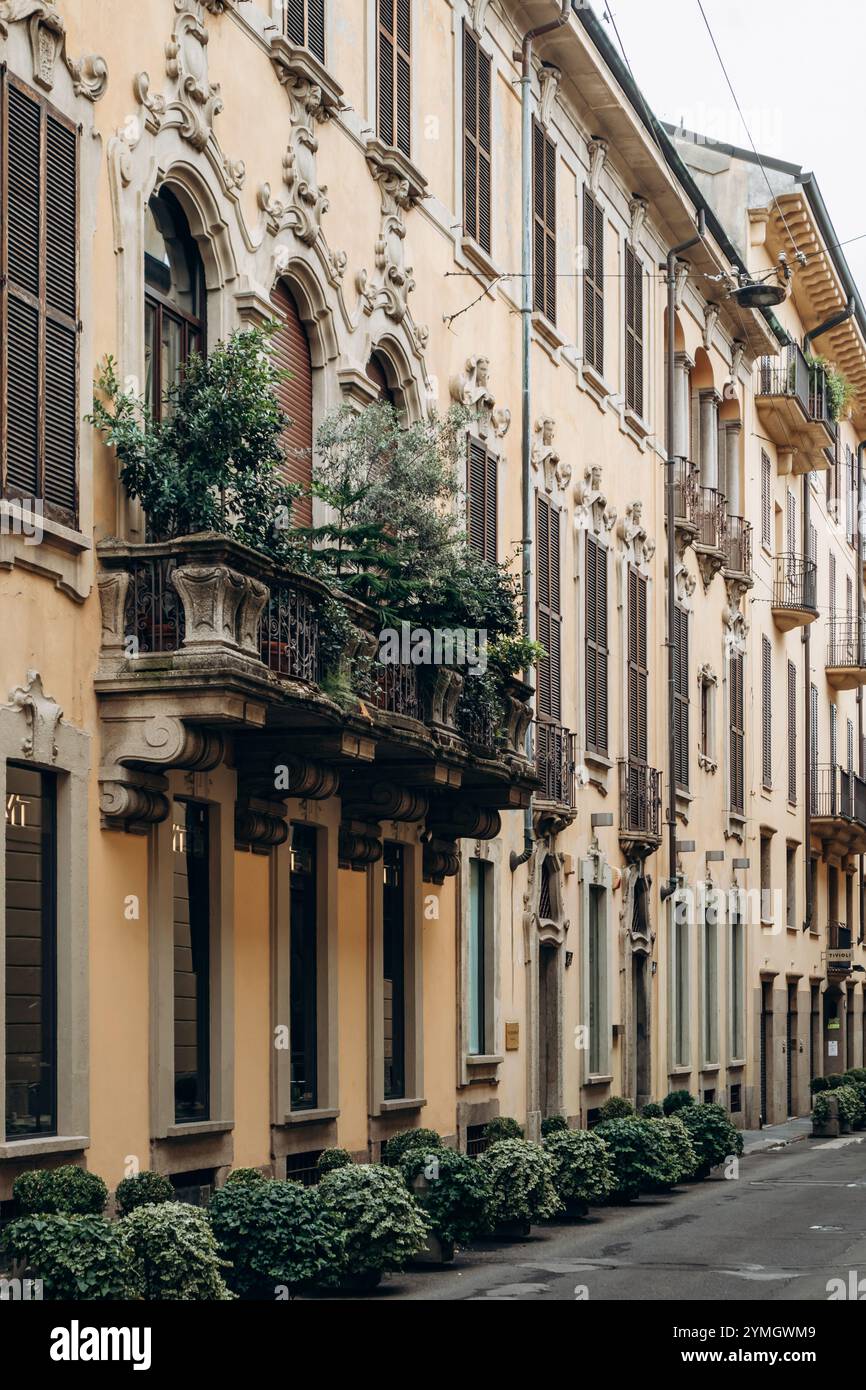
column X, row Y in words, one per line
column 861, row 452
column 842, row 317
column 525, row 57
column 670, row 443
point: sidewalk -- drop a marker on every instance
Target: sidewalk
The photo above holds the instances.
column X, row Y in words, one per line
column 773, row 1136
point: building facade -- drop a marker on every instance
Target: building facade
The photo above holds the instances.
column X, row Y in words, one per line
column 206, row 965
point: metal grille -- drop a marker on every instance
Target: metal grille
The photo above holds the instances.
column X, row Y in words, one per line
column 476, row 1143
column 397, row 690
column 289, row 633
column 786, row 375
column 555, row 763
column 846, row 645
column 154, row 614
column 640, row 798
column 711, row 518
column 195, row 1188
column 738, row 545
column 795, row 582
column 304, row 1167
column 685, row 491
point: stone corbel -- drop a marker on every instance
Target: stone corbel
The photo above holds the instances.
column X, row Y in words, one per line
column 591, row 510
column 137, row 751
column 633, row 535
column 272, row 774
column 479, row 14
column 446, row 826
column 637, row 211
column 711, row 318
column 359, row 844
column 549, row 79
column 597, row 150
column 42, row 716
column 260, row 825
column 681, row 279
column 401, row 188
column 470, row 388
column 544, row 457
column 47, row 34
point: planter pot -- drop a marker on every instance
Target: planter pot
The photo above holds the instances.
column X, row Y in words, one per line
column 512, row 1230
column 435, row 1252
column 361, row 1283
column 828, row 1130
column 844, row 1126
column 575, row 1210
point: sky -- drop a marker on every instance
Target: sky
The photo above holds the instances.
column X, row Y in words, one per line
column 797, row 71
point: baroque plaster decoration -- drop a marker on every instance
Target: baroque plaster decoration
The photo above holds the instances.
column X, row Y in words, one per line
column 737, row 355
column 681, row 279
column 637, row 211
column 633, row 534
column 43, row 715
column 597, row 150
column 479, row 14
column 314, row 98
column 47, row 35
column 545, row 458
column 471, row 389
column 549, row 79
column 711, row 318
column 686, row 583
column 401, row 188
column 591, row 510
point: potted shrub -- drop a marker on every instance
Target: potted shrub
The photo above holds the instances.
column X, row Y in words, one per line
column 395, row 1148
column 521, row 1183
column 142, row 1190
column 712, row 1134
column 174, row 1254
column 67, row 1190
column 273, row 1235
column 639, row 1157
column 76, row 1257
column 675, row 1100
column 615, row 1108
column 502, row 1127
column 850, row 1108
column 379, row 1224
column 582, row 1171
column 680, row 1149
column 329, row 1159
column 825, row 1114
column 455, row 1193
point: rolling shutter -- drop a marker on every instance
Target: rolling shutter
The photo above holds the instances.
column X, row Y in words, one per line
column 596, row 646
column 476, row 140
column 549, row 617
column 593, row 283
column 766, row 713
column 481, row 496
column 39, row 302
column 544, row 223
column 394, row 73
column 291, row 354
column 633, row 332
column 638, row 674
column 681, row 698
column 738, row 736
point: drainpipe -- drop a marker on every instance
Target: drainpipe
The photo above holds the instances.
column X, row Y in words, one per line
column 842, row 317
column 524, row 55
column 861, row 453
column 670, row 443
column 807, row 713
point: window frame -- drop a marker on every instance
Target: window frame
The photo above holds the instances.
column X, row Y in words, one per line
column 596, row 647
column 162, row 307
column 634, row 344
column 389, row 131
column 544, row 223
column 593, row 281
column 283, row 8
column 548, row 608
column 479, row 140
column 482, row 484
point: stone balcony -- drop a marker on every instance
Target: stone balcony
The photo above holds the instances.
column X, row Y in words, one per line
column 207, row 643
column 792, row 402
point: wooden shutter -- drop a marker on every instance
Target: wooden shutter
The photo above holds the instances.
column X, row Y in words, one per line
column 394, row 73
column 766, row 517
column 638, row 675
column 792, row 733
column 549, row 617
column 596, row 649
column 291, row 353
column 305, row 25
column 738, row 735
column 791, row 523
column 681, row 698
column 481, row 499
column 834, row 739
column 813, row 735
column 593, row 283
column 544, row 223
column 766, row 713
column 633, row 332
column 832, row 586
column 38, row 302
column 476, row 140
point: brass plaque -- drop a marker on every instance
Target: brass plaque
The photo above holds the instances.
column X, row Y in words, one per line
column 512, row 1037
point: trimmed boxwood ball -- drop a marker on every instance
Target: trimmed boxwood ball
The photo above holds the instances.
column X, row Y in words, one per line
column 712, row 1134
column 553, row 1124
column 329, row 1159
column 820, row 1109
column 399, row 1144
column 582, row 1171
column 652, row 1111
column 142, row 1190
column 68, row 1190
column 453, row 1190
column 246, row 1177
column 174, row 1253
column 681, row 1149
column 850, row 1104
column 380, row 1225
column 615, row 1108
column 274, row 1234
column 819, row 1083
column 638, row 1156
column 677, row 1100
column 76, row 1257
column 521, row 1182
column 502, row 1127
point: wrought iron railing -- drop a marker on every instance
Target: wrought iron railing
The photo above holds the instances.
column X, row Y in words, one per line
column 478, row 726
column 795, row 582
column 685, row 491
column 786, row 375
column 738, row 545
column 396, row 690
column 711, row 518
column 837, row 794
column 838, row 936
column 555, row 763
column 640, row 799
column 846, row 642
column 154, row 616
column 289, row 633
column 820, row 406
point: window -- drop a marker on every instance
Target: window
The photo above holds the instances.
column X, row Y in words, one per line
column 304, row 968
column 549, row 616
column 633, row 332
column 544, row 223
column 173, row 299
column 850, row 749
column 593, row 283
column 791, row 521
column 31, row 953
column 638, row 673
column 38, row 302
column 738, row 733
column 680, row 982
column 596, row 646
column 377, row 373
column 766, row 713
column 834, row 738
column 767, row 916
column 482, row 498
column 476, row 141
column 290, row 350
column 707, row 685
column 710, row 981
column 191, row 852
column 832, row 596
column 480, row 873
column 791, row 887
column 813, row 748
column 792, row 733
column 394, row 970
column 681, row 698
column 738, row 979
column 394, row 74
column 766, row 501
column 597, row 979
column 305, row 25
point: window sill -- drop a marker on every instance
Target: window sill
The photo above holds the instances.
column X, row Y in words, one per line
column 736, row 1064
column 479, row 258
column 59, row 555
column 391, row 1107
column 597, row 1079
column 683, row 1070
column 199, row 1127
column 478, row 1059
column 44, row 1144
column 547, row 332
column 635, row 424
column 598, row 760
column 594, row 383
column 388, row 159
column 710, row 1067
column 310, row 1117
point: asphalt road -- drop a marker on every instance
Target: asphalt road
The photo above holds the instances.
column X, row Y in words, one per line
column 792, row 1220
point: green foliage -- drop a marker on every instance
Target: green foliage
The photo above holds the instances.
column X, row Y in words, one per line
column 142, row 1190
column 680, row 1151
column 582, row 1171
column 819, row 1083
column 453, row 1190
column 246, row 1177
column 329, row 1159
column 652, row 1111
column 835, row 1081
column 675, row 1100
column 841, row 392
column 640, row 1158
column 273, row 1233
column 67, row 1190
column 213, row 462
column 712, row 1134
column 821, row 1108
column 174, row 1253
column 380, row 1226
column 615, row 1108
column 851, row 1108
column 553, row 1124
column 76, row 1257
column 502, row 1127
column 401, row 1143
column 521, row 1182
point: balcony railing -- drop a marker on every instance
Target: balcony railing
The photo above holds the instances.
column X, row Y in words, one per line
column 837, row 794
column 289, row 633
column 795, row 583
column 555, row 764
column 640, row 799
column 786, row 375
column 685, row 492
column 397, row 692
column 846, row 643
column 711, row 518
column 154, row 615
column 820, row 408
column 738, row 546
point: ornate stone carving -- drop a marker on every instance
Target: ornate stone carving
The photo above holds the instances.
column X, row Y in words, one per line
column 359, row 844
column 113, row 588
column 549, row 79
column 681, row 278
column 441, row 687
column 591, row 511
column 221, row 606
column 401, row 188
column 633, row 534
column 384, row 801
column 637, row 211
column 711, row 318
column 134, row 801
column 737, row 354
column 479, row 14
column 47, row 35
column 544, row 457
column 441, row 860
column 313, row 98
column 42, row 715
column 471, row 389
column 195, row 101
column 260, row 825
column 597, row 150
column 686, row 583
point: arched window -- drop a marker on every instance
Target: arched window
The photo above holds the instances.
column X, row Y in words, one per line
column 174, row 296
column 291, row 352
column 376, row 373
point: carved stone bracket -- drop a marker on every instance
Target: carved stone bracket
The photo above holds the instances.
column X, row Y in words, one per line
column 545, row 459
column 632, row 533
column 710, row 562
column 471, row 389
column 137, row 750
column 365, row 806
column 46, row 31
column 401, row 188
column 359, row 844
column 42, row 715
column 711, row 318
column 313, row 97
column 591, row 510
column 549, row 79
column 597, row 150
column 637, row 211
column 260, row 825
column 446, row 826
